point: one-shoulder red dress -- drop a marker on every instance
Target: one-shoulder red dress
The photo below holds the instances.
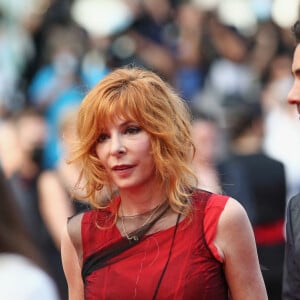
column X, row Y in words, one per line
column 194, row 270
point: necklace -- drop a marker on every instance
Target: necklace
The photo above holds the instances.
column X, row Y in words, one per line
column 168, row 259
column 135, row 237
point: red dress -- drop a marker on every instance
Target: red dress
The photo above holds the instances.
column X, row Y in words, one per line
column 195, row 269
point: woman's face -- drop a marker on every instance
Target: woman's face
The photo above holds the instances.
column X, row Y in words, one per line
column 124, row 149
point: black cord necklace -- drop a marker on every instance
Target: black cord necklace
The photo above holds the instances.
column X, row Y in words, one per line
column 168, row 259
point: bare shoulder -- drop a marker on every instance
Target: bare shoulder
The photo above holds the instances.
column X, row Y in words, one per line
column 74, row 230
column 71, row 235
column 47, row 176
column 233, row 213
column 71, row 254
column 49, row 183
column 235, row 239
column 234, row 228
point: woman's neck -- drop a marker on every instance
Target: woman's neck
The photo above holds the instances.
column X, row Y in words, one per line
column 135, row 202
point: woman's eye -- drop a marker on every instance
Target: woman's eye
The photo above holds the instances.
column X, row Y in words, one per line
column 102, row 137
column 133, row 130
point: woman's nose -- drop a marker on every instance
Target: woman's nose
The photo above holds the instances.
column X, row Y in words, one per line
column 117, row 146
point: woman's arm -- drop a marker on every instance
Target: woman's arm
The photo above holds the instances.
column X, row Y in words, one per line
column 71, row 258
column 235, row 240
column 54, row 203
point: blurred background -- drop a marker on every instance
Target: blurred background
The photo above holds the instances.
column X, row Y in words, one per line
column 218, row 55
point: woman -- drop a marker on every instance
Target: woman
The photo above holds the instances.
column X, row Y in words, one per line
column 151, row 234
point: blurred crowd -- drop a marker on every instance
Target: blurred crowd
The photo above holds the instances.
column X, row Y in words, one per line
column 235, row 82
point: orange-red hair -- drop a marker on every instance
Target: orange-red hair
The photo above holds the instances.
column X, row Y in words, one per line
column 142, row 96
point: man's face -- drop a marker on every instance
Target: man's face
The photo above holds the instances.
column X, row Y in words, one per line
column 294, row 93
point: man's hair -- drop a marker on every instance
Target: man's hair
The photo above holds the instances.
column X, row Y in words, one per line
column 296, row 31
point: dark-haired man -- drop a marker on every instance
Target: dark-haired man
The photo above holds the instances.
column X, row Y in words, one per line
column 291, row 278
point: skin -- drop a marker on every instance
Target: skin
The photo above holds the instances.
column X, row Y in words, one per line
column 54, row 203
column 236, row 244
column 125, row 152
column 294, row 93
column 72, row 263
column 125, row 144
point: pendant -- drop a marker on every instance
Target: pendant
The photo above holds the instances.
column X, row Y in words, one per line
column 134, row 238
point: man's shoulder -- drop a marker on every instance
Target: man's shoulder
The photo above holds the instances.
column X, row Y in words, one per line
column 294, row 203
